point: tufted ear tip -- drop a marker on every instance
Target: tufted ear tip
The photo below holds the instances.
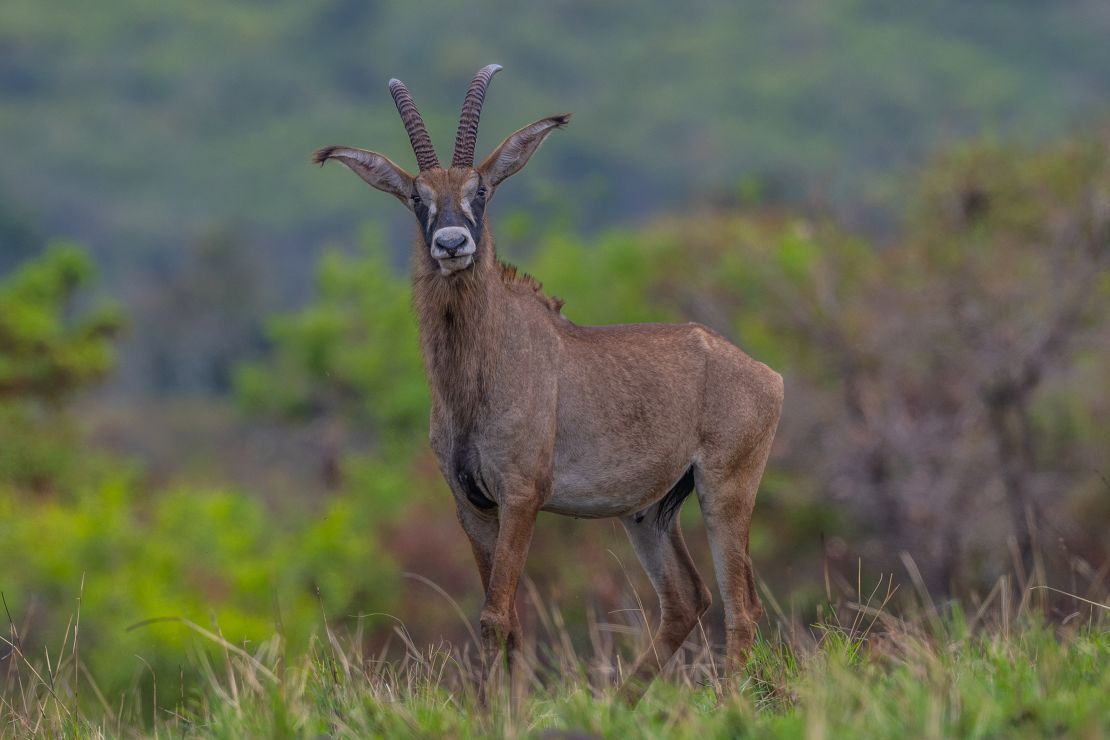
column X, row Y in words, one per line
column 518, row 147
column 323, row 154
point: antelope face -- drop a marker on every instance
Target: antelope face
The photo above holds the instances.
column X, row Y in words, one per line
column 450, row 206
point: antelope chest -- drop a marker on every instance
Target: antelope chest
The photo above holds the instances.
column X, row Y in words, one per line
column 497, row 453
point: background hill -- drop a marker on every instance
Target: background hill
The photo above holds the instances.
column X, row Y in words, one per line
column 152, row 131
column 140, row 127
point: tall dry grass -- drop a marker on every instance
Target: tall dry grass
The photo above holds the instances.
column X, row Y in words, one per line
column 883, row 658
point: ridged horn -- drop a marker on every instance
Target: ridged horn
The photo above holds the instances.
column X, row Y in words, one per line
column 418, row 134
column 471, row 112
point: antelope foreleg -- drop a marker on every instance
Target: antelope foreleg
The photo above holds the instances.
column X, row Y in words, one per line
column 499, row 623
column 481, row 529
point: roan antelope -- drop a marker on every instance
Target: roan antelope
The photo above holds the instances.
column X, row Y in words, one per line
column 531, row 412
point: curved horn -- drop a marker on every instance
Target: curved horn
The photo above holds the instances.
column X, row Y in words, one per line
column 421, row 143
column 471, row 111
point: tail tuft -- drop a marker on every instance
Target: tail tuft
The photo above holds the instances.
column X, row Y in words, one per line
column 670, row 504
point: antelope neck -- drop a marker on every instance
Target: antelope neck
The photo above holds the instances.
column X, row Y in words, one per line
column 457, row 316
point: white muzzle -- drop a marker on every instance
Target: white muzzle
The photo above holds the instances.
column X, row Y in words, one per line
column 453, row 248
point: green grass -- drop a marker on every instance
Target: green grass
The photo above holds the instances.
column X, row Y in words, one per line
column 1000, row 670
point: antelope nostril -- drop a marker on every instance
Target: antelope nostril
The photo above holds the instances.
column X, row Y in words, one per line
column 450, row 242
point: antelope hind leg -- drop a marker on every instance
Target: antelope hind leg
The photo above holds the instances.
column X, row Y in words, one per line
column 683, row 596
column 727, row 501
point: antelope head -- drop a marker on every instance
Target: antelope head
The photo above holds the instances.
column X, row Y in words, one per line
column 449, row 204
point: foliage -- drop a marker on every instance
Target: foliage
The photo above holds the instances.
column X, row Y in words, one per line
column 50, row 348
column 46, row 354
column 215, row 557
column 80, row 522
column 354, row 353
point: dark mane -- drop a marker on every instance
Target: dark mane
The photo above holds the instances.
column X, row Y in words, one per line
column 514, row 277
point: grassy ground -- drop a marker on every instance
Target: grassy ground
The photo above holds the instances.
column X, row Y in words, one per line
column 998, row 670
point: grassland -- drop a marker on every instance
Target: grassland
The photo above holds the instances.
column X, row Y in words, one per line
column 1000, row 668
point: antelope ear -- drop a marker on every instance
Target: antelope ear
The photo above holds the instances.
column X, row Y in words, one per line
column 371, row 167
column 515, row 151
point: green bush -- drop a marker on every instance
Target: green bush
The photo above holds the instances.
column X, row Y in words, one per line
column 49, row 350
column 352, row 354
column 215, row 557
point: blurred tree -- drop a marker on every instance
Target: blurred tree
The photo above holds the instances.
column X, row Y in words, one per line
column 349, row 363
column 49, row 350
column 1018, row 247
column 924, row 375
column 46, row 350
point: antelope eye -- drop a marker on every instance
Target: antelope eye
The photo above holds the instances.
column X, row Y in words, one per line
column 416, row 198
column 481, row 191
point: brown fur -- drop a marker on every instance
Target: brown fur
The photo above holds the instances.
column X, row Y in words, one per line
column 532, row 412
